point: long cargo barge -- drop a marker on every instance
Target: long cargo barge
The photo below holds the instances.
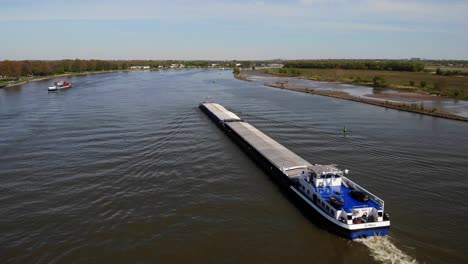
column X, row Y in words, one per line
column 322, row 190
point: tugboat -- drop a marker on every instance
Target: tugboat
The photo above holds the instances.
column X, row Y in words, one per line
column 350, row 208
column 59, row 85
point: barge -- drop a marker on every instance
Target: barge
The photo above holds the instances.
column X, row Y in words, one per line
column 323, row 191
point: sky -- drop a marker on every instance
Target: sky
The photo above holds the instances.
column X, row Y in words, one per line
column 235, row 29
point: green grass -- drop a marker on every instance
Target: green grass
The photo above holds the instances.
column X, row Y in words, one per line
column 13, row 82
column 45, row 77
column 433, row 68
column 452, row 86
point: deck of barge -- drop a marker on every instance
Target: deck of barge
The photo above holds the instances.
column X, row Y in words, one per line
column 220, row 112
column 277, row 154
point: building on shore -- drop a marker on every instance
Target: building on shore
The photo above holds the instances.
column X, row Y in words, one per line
column 177, row 66
column 140, row 67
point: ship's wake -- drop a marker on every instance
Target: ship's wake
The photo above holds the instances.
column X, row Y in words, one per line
column 383, row 250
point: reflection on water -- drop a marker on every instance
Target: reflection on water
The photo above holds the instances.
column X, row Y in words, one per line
column 12, row 90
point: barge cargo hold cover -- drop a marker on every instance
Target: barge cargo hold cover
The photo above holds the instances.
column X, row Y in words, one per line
column 279, row 156
column 322, row 190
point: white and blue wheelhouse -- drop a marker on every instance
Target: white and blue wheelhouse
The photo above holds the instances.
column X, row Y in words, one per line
column 353, row 210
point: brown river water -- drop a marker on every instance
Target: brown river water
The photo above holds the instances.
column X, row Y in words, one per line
column 124, row 168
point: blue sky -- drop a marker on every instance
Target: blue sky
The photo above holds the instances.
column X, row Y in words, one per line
column 241, row 29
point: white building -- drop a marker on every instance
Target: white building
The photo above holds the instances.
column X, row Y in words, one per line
column 177, row 66
column 139, row 67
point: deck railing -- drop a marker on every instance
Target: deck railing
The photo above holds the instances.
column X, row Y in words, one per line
column 359, row 188
column 295, row 167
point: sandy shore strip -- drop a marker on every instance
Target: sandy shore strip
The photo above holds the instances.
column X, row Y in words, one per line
column 408, row 95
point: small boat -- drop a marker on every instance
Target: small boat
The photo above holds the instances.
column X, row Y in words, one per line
column 336, row 201
column 359, row 195
column 59, row 85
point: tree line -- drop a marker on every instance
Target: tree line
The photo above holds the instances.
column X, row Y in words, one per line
column 386, row 65
column 42, row 68
column 450, row 72
column 16, row 69
column 459, row 63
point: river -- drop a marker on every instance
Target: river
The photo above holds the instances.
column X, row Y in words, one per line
column 124, row 167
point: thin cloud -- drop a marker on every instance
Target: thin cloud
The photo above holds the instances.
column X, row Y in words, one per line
column 364, row 15
column 423, row 11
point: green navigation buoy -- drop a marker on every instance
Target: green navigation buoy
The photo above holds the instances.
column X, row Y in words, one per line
column 345, row 130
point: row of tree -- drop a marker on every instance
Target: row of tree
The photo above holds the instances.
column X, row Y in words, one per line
column 16, row 69
column 450, row 72
column 459, row 63
column 385, row 65
column 42, row 68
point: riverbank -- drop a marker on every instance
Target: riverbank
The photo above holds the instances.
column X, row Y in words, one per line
column 455, row 87
column 414, row 108
column 241, row 77
column 47, row 77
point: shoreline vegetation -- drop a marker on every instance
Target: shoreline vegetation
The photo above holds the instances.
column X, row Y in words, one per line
column 414, row 108
column 455, row 86
column 19, row 72
column 48, row 77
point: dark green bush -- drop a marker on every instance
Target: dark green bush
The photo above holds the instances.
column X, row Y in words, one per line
column 379, row 81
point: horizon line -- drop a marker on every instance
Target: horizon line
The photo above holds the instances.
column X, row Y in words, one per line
column 415, row 59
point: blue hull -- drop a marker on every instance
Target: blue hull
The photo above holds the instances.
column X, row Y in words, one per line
column 325, row 224
column 57, row 88
column 383, row 231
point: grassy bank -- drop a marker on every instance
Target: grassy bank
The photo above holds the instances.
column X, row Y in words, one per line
column 40, row 78
column 451, row 86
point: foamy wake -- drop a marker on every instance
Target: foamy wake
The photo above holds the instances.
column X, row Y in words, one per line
column 383, row 250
